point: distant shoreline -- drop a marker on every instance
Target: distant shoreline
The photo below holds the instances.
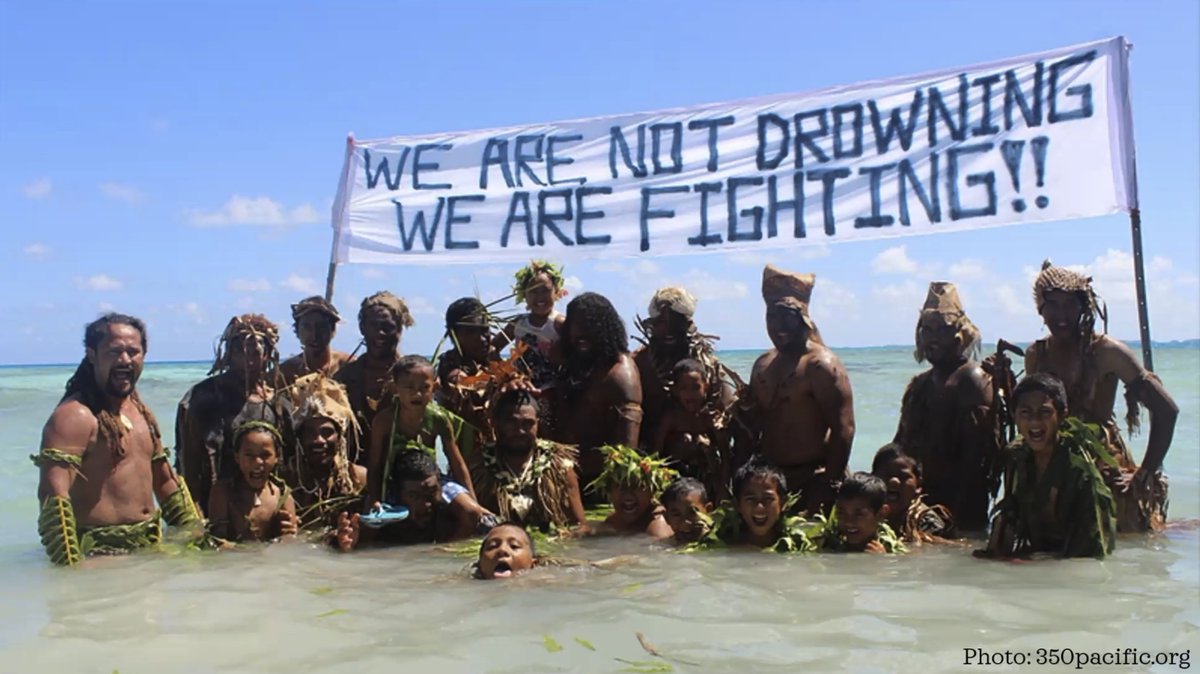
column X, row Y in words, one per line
column 1133, row 344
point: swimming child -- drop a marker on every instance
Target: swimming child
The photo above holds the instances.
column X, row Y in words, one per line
column 254, row 504
column 859, row 520
column 506, row 550
column 413, row 422
column 538, row 285
column 1055, row 499
column 687, row 433
column 908, row 514
column 633, row 482
column 688, row 509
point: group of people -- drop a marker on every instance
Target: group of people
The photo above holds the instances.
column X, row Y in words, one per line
column 540, row 415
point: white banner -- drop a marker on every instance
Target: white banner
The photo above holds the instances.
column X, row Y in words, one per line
column 1029, row 139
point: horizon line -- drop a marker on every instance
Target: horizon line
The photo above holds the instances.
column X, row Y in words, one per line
column 1193, row 343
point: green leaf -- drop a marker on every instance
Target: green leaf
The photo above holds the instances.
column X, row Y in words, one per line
column 585, row 643
column 551, row 645
column 336, row 611
column 630, row 589
column 646, row 666
column 319, row 591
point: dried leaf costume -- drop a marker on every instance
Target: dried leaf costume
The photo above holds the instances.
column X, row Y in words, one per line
column 353, row 375
column 319, row 500
column 539, row 496
column 211, row 410
column 958, row 451
column 1069, row 512
column 924, row 523
column 1141, row 508
column 655, row 366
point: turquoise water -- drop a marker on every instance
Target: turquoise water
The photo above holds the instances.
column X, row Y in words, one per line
column 295, row 608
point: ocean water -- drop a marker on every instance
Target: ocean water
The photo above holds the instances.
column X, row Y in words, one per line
column 297, row 608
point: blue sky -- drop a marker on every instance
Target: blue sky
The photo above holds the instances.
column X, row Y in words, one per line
column 178, row 160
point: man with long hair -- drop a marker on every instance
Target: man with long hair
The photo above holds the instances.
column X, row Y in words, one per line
column 601, row 397
column 800, row 407
column 243, row 386
column 102, row 459
column 1090, row 365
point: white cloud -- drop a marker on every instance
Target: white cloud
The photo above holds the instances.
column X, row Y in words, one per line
column 421, row 306
column 37, row 251
column 121, row 192
column 189, row 310
column 573, row 283
column 300, row 284
column 242, row 285
column 241, row 210
column 374, row 273
column 757, row 258
column 105, row 307
column 967, row 270
column 894, row 260
column 99, row 282
column 38, row 189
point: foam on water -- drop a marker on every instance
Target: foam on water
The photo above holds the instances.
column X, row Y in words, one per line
column 296, row 608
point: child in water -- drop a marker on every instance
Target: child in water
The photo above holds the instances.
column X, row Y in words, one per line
column 860, row 516
column 253, row 505
column 1055, row 500
column 688, row 509
column 539, row 285
column 506, row 550
column 687, row 434
column 756, row 518
column 633, row 483
column 908, row 514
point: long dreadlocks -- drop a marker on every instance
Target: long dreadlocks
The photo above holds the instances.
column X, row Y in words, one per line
column 609, row 338
column 83, row 385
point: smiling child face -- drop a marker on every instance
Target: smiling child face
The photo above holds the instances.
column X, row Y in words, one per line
column 1037, row 421
column 256, row 457
column 760, row 506
column 857, row 521
column 629, row 503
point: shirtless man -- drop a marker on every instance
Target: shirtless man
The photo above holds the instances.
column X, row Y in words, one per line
column 315, row 322
column 243, row 386
column 1090, row 366
column 102, row 433
column 946, row 422
column 382, row 318
column 601, row 396
column 801, row 408
column 671, row 336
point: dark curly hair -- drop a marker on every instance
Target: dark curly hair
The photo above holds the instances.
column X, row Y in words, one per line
column 603, row 322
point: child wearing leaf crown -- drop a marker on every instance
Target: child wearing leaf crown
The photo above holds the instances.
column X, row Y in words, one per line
column 538, row 285
column 633, row 483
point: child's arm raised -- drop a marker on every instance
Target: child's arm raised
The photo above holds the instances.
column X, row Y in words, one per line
column 454, row 458
column 381, row 432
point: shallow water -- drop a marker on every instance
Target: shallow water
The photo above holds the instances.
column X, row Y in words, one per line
column 296, row 608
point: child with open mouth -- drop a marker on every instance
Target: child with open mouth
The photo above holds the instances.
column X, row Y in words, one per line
column 254, row 505
column 633, row 482
column 859, row 520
